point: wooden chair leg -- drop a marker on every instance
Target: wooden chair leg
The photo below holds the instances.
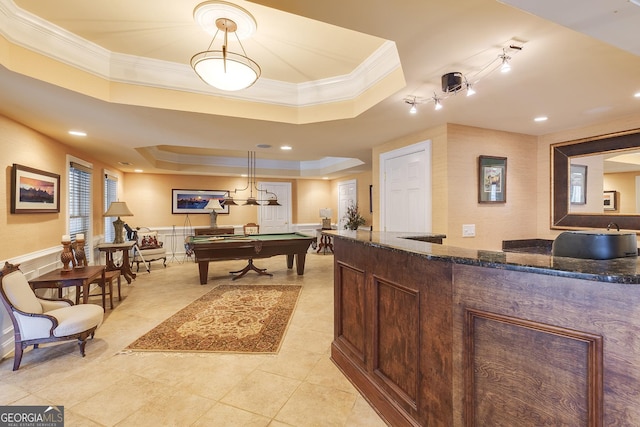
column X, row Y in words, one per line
column 111, row 293
column 119, row 294
column 17, row 358
column 82, row 341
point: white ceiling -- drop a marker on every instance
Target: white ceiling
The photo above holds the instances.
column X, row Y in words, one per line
column 331, row 61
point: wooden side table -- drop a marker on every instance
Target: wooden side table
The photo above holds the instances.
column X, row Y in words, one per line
column 78, row 277
column 326, row 242
column 110, row 248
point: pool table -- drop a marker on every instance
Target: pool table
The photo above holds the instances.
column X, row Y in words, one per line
column 226, row 247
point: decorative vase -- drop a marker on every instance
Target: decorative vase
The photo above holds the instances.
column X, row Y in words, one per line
column 81, row 257
column 66, row 257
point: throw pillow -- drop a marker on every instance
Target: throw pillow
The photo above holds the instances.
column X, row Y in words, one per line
column 149, row 242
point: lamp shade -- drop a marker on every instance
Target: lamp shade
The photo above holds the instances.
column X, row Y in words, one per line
column 326, row 213
column 229, row 72
column 213, row 204
column 118, row 209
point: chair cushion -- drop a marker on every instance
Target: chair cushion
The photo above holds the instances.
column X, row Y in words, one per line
column 76, row 318
column 150, row 254
column 20, row 294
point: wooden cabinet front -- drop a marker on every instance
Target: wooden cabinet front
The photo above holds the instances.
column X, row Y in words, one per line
column 436, row 343
column 390, row 311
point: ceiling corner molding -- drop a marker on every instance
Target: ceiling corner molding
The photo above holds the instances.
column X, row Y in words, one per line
column 227, row 165
column 37, row 35
column 42, row 37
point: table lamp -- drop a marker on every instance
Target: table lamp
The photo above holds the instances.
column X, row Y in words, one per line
column 118, row 209
column 213, row 205
column 326, row 215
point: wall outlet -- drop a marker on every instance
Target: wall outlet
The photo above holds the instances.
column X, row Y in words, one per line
column 468, row 230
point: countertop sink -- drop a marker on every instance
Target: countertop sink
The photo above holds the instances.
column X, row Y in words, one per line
column 595, row 244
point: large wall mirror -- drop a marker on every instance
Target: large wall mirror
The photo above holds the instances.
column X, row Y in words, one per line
column 596, row 181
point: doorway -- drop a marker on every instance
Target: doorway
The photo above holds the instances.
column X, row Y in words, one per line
column 347, row 196
column 276, row 219
column 405, row 189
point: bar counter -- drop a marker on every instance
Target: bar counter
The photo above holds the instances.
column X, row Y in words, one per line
column 437, row 335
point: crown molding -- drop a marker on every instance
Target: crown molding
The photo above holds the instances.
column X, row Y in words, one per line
column 37, row 35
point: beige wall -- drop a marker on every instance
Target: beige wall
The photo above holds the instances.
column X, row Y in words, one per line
column 363, row 181
column 26, row 233
column 149, row 197
column 494, row 223
column 455, row 151
column 624, row 184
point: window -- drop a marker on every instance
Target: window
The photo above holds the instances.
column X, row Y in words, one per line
column 110, row 195
column 80, row 202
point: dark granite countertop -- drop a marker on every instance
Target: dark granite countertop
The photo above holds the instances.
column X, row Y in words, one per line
column 619, row 270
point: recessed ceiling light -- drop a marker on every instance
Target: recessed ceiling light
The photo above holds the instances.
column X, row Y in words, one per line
column 285, row 147
column 325, row 177
column 540, row 119
column 138, row 170
column 124, row 163
column 637, row 94
column 77, row 133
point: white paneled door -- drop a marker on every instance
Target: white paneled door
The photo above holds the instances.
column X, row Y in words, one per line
column 275, row 219
column 347, row 196
column 405, row 198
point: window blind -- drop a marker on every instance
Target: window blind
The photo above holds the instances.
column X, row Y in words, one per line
column 110, row 195
column 80, row 202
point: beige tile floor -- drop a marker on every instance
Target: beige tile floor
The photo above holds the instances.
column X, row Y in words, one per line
column 299, row 386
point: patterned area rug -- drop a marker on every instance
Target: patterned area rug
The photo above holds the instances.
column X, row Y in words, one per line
column 230, row 318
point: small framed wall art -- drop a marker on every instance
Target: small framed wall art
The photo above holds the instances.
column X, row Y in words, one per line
column 34, row 191
column 492, row 179
column 609, row 201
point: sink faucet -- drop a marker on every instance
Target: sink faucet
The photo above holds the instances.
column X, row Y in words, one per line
column 613, row 224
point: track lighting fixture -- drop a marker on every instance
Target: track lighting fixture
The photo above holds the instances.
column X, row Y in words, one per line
column 437, row 102
column 469, row 87
column 505, row 66
column 454, row 82
column 413, row 101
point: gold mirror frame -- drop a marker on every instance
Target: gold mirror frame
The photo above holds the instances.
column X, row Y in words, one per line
column 561, row 154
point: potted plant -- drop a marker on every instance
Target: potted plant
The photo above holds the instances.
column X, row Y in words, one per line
column 353, row 218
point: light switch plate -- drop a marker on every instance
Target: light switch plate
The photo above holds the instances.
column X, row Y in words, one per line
column 468, row 230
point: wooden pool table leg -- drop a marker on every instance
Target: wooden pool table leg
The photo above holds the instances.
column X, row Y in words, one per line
column 300, row 259
column 203, row 268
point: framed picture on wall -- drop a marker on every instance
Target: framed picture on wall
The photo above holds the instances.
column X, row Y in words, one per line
column 194, row 201
column 609, row 201
column 34, row 191
column 578, row 185
column 492, row 179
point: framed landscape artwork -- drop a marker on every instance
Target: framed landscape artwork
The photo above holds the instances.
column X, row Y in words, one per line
column 492, row 179
column 34, row 191
column 194, row 201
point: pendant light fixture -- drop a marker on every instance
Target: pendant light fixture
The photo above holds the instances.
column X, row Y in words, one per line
column 222, row 68
column 270, row 199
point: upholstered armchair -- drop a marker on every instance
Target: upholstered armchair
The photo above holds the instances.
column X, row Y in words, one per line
column 149, row 249
column 38, row 320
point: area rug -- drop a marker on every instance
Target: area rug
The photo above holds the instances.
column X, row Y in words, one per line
column 230, row 318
